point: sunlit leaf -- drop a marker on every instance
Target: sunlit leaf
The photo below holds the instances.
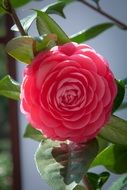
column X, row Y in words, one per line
column 115, row 131
column 46, row 25
column 46, row 43
column 91, row 32
column 63, row 165
column 33, row 133
column 114, row 158
column 25, row 48
column 26, row 23
column 54, row 8
column 22, row 48
column 9, row 88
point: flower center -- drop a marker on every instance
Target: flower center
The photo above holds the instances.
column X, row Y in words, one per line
column 69, row 97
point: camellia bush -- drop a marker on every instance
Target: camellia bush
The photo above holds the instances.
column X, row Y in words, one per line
column 69, row 96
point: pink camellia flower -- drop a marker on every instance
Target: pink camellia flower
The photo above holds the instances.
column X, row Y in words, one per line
column 68, row 92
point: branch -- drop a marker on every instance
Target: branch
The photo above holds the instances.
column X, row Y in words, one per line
column 110, row 17
column 10, row 10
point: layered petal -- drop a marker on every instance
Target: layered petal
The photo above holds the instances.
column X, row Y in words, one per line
column 68, row 92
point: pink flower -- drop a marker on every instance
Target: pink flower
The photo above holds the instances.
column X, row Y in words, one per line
column 68, row 92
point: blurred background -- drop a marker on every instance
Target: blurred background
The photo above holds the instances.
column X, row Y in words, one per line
column 5, row 146
column 17, row 168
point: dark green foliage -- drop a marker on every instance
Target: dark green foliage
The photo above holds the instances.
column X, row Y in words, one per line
column 114, row 158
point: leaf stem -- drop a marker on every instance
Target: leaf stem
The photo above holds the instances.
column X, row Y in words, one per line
column 110, row 17
column 10, row 10
column 86, row 182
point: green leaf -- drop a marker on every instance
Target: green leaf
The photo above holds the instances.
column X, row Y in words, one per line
column 14, row 3
column 25, row 48
column 26, row 23
column 9, row 88
column 79, row 187
column 120, row 94
column 54, row 8
column 102, row 143
column 115, row 131
column 46, row 43
column 46, row 25
column 97, row 180
column 22, row 48
column 33, row 133
column 2, row 26
column 63, row 165
column 1, row 9
column 73, row 169
column 114, row 158
column 120, row 184
column 20, row 3
column 48, row 168
column 91, row 32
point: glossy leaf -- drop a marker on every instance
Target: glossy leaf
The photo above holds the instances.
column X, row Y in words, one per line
column 22, row 48
column 33, row 133
column 59, row 165
column 54, row 8
column 115, row 131
column 46, row 25
column 97, row 180
column 120, row 94
column 120, row 183
column 25, row 48
column 9, row 88
column 91, row 32
column 114, row 158
column 102, row 143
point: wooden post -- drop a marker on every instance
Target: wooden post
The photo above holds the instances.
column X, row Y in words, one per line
column 13, row 116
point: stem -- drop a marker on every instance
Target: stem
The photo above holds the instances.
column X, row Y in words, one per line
column 86, row 182
column 8, row 7
column 110, row 17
